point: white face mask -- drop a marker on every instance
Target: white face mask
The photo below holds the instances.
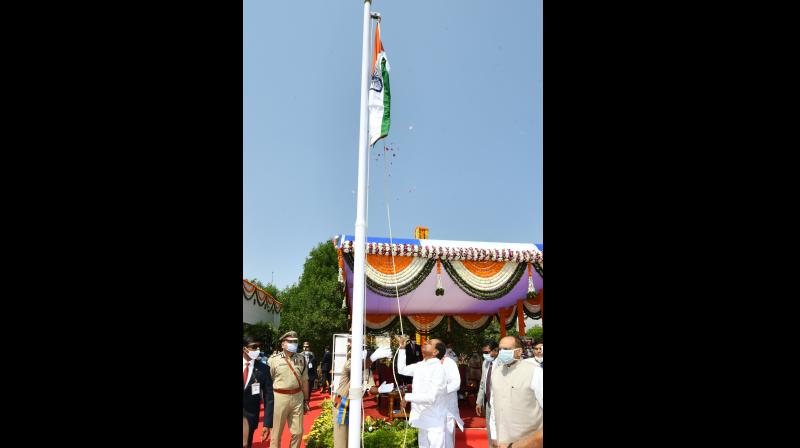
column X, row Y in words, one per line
column 291, row 347
column 488, row 357
column 253, row 354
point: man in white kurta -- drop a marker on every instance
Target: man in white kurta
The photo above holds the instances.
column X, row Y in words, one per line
column 427, row 396
column 453, row 384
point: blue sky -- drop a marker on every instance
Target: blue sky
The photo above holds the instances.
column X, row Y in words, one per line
column 466, row 83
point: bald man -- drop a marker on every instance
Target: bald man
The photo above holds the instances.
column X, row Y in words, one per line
column 514, row 420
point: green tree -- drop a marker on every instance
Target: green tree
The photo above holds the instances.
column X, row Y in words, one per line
column 464, row 342
column 493, row 330
column 313, row 306
column 264, row 332
column 268, row 287
column 537, row 333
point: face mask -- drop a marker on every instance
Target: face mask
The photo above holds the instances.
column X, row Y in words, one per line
column 253, row 354
column 488, row 357
column 506, row 356
column 291, row 347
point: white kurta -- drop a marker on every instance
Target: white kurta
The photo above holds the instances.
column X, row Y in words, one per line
column 428, row 400
column 453, row 384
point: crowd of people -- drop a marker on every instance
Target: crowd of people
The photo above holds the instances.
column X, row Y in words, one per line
column 510, row 394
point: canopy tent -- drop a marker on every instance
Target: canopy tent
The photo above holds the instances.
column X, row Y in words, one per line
column 259, row 306
column 440, row 282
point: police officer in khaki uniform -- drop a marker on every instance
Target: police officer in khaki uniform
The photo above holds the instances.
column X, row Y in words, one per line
column 290, row 385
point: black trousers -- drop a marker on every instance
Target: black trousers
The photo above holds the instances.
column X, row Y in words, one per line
column 252, row 426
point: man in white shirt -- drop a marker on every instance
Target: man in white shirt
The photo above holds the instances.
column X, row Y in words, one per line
column 450, row 353
column 538, row 353
column 453, row 384
column 483, row 398
column 517, row 418
column 428, row 399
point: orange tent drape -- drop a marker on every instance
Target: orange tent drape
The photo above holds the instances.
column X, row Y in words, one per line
column 504, row 313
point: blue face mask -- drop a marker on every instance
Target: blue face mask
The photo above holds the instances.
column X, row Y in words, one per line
column 488, row 357
column 506, row 356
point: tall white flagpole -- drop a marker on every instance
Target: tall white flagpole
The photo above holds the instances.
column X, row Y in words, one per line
column 356, row 361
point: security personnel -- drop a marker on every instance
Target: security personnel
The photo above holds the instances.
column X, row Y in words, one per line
column 290, row 385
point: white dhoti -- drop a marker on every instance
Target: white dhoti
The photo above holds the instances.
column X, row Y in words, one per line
column 431, row 438
column 451, row 401
column 450, row 429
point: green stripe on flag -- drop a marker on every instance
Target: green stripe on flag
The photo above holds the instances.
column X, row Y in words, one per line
column 386, row 100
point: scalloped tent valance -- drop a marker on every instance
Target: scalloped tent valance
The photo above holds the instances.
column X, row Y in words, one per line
column 472, row 281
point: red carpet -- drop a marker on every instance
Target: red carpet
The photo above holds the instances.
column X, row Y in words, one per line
column 308, row 420
column 473, row 436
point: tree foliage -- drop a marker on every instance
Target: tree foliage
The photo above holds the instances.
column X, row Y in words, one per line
column 313, row 306
column 537, row 333
column 263, row 332
column 268, row 287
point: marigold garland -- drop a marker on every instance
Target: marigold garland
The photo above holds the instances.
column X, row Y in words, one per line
column 388, row 290
column 490, row 294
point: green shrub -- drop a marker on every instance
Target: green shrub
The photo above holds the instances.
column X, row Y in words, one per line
column 378, row 433
column 321, row 434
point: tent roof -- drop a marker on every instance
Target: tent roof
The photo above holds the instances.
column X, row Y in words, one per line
column 423, row 300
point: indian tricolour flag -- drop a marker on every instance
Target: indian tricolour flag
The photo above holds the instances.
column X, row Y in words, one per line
column 379, row 96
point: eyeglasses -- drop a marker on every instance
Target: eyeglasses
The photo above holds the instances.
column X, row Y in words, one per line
column 486, row 352
column 254, row 347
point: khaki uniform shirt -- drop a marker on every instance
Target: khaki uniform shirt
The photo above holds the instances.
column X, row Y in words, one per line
column 282, row 377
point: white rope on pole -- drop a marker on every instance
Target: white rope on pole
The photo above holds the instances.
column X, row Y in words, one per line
column 396, row 295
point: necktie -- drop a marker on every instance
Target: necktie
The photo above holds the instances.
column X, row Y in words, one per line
column 489, row 384
column 246, row 371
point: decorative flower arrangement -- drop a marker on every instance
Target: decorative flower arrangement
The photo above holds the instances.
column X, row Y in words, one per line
column 485, row 289
column 389, row 285
column 485, row 283
column 531, row 289
column 450, row 253
column 260, row 298
column 378, row 433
